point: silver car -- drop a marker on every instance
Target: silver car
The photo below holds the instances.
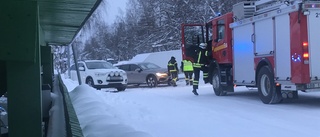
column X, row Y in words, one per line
column 145, row 72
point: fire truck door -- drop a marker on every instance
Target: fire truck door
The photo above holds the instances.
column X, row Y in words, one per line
column 282, row 48
column 243, row 50
column 313, row 20
column 264, row 37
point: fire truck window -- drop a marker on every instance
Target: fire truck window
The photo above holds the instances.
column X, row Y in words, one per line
column 193, row 35
column 221, row 32
column 210, row 34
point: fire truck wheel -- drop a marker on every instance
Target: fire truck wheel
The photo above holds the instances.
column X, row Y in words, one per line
column 266, row 86
column 218, row 90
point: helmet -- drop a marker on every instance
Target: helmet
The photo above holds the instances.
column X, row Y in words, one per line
column 203, row 45
column 172, row 57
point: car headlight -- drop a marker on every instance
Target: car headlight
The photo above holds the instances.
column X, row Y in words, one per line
column 122, row 73
column 161, row 74
column 100, row 74
column 111, row 73
column 117, row 73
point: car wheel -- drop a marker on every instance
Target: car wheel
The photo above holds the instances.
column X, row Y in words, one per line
column 89, row 81
column 121, row 88
column 152, row 81
column 268, row 92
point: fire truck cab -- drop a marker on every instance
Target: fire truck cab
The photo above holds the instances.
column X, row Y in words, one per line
column 269, row 44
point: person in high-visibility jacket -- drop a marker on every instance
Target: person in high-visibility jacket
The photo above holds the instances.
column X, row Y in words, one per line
column 201, row 62
column 173, row 70
column 187, row 68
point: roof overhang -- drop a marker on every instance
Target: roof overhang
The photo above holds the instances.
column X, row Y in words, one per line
column 61, row 20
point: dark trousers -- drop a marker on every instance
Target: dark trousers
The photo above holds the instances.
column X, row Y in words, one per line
column 188, row 76
column 196, row 72
column 174, row 76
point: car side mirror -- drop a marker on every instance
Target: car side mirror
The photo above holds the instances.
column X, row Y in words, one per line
column 81, row 68
column 138, row 70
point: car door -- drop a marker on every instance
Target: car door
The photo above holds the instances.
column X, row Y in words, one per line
column 137, row 75
column 130, row 75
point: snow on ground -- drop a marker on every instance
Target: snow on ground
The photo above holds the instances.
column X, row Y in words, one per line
column 175, row 112
column 96, row 117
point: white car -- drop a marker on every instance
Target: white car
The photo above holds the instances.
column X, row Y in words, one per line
column 100, row 74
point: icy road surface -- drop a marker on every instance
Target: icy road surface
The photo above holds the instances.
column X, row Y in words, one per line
column 175, row 112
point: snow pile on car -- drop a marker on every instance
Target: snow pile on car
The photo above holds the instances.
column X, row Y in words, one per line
column 159, row 58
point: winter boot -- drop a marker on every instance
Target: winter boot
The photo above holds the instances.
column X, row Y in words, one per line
column 187, row 83
column 194, row 91
column 174, row 83
column 191, row 83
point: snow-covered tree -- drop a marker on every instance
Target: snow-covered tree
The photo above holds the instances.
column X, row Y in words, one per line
column 146, row 26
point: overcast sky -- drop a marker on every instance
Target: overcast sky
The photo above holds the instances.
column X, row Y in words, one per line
column 113, row 7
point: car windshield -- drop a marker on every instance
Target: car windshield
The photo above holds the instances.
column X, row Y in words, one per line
column 99, row 65
column 148, row 66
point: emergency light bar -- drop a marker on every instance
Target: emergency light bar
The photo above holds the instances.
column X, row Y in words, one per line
column 311, row 5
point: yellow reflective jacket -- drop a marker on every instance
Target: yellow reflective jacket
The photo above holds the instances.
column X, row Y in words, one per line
column 186, row 65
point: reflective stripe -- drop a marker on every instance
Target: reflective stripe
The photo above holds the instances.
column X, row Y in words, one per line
column 199, row 56
column 197, row 65
column 173, row 66
column 205, row 75
column 195, row 83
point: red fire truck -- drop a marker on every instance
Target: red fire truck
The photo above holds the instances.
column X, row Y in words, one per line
column 269, row 44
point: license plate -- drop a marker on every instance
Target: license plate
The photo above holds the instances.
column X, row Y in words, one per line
column 116, row 78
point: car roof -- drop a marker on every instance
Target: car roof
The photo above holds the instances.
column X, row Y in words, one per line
column 83, row 61
column 95, row 61
column 127, row 63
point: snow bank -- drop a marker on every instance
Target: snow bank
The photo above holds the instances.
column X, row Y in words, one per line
column 97, row 119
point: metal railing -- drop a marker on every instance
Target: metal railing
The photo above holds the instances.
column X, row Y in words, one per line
column 72, row 123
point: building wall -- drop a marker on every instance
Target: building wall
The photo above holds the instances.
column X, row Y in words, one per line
column 3, row 77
